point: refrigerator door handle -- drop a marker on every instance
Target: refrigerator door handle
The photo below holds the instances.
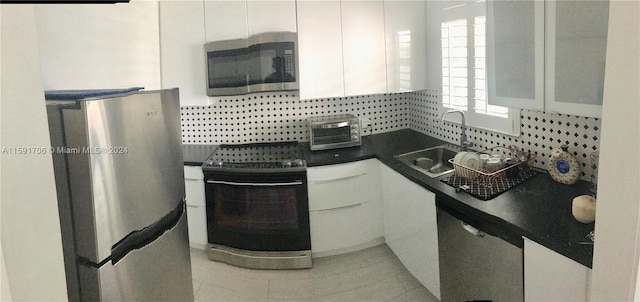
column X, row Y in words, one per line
column 140, row 238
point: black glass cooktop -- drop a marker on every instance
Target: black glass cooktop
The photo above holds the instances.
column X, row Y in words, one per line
column 257, row 156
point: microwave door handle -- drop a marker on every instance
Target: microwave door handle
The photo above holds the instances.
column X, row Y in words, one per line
column 253, row 184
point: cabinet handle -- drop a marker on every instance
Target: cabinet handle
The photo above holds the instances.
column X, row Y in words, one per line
column 472, row 230
column 191, row 206
column 337, row 179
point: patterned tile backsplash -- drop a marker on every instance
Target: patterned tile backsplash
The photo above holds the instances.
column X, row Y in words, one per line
column 273, row 117
column 540, row 132
column 269, row 117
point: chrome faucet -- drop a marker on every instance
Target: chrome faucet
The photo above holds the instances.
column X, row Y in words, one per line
column 464, row 143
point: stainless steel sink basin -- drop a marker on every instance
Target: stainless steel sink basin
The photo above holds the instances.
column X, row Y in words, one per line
column 432, row 161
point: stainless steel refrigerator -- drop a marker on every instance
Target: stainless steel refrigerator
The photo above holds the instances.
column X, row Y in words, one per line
column 119, row 176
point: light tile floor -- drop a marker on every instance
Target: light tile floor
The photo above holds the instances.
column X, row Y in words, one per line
column 373, row 274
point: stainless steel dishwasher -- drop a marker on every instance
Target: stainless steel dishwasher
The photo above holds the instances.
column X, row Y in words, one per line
column 477, row 266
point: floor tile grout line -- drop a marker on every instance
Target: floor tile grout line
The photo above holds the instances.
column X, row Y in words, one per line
column 360, row 287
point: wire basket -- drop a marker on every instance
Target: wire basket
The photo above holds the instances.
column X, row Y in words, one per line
column 486, row 177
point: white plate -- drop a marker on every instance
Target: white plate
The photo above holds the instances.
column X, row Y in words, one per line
column 458, row 158
column 472, row 160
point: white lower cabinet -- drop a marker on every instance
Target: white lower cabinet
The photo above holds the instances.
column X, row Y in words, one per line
column 196, row 210
column 345, row 209
column 410, row 227
column 549, row 276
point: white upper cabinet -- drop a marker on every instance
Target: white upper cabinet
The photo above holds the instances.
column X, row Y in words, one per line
column 342, row 49
column 269, row 16
column 363, row 47
column 320, row 49
column 515, row 45
column 547, row 55
column 575, row 45
column 228, row 19
column 225, row 20
column 182, row 57
column 405, row 32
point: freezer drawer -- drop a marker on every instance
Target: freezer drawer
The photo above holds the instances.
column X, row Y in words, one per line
column 160, row 271
column 475, row 265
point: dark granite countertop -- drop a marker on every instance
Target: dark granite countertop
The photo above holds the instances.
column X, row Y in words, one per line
column 538, row 209
column 195, row 155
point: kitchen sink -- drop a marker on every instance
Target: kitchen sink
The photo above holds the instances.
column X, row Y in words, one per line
column 433, row 162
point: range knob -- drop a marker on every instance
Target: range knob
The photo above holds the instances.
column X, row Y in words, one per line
column 298, row 162
column 216, row 163
column 287, row 163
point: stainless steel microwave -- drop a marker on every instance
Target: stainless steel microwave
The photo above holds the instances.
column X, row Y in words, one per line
column 263, row 62
column 334, row 131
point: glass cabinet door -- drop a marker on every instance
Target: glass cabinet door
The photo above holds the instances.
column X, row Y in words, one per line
column 576, row 44
column 515, row 45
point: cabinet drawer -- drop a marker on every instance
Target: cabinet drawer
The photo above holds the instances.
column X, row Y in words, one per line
column 194, row 192
column 338, row 193
column 197, row 223
column 337, row 172
column 340, row 228
column 193, row 172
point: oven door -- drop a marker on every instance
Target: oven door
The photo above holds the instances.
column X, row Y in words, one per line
column 258, row 211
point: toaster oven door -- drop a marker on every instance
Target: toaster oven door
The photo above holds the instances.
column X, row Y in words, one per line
column 331, row 136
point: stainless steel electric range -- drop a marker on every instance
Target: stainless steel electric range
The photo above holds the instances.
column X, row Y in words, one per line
column 257, row 206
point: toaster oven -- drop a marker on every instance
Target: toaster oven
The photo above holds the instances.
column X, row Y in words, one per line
column 334, row 131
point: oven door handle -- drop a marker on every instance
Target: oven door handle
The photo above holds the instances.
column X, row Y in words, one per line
column 254, row 184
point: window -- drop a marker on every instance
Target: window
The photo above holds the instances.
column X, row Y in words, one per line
column 464, row 70
column 404, row 58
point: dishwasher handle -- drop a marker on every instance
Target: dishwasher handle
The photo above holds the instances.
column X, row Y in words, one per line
column 472, row 230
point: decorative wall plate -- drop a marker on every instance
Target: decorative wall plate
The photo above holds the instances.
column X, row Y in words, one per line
column 563, row 166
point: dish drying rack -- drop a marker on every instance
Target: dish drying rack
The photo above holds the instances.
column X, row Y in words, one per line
column 485, row 177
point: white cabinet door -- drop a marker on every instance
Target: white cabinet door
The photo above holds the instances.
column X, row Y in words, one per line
column 320, row 49
column 182, row 56
column 229, row 19
column 410, row 227
column 575, row 53
column 549, row 276
column 269, row 16
column 406, row 48
column 225, row 20
column 345, row 207
column 363, row 47
column 547, row 55
column 515, row 46
column 196, row 209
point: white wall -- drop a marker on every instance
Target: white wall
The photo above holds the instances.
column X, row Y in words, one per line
column 99, row 46
column 5, row 290
column 615, row 261
column 29, row 225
